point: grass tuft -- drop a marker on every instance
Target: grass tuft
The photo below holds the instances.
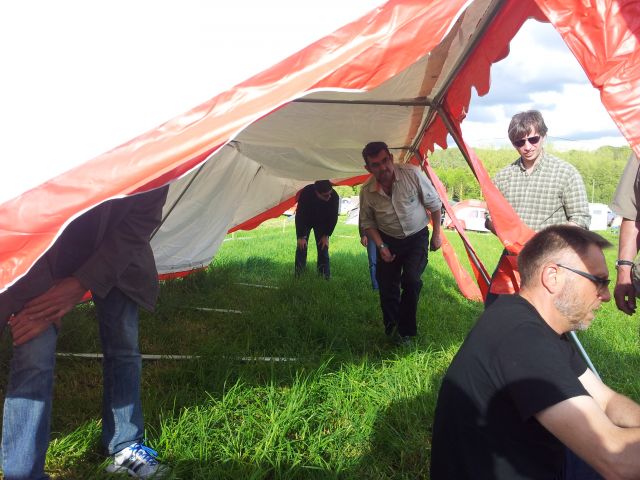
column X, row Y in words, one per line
column 346, row 403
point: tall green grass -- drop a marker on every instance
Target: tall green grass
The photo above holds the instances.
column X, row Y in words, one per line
column 343, row 402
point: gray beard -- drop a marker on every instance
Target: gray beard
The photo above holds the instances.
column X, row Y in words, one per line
column 569, row 307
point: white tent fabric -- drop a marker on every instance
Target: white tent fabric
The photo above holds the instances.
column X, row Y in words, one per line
column 314, row 137
column 220, row 194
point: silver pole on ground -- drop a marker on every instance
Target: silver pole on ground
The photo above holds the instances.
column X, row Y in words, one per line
column 583, row 353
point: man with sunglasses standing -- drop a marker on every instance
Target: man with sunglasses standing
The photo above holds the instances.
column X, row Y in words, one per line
column 542, row 189
column 518, row 400
column 318, row 206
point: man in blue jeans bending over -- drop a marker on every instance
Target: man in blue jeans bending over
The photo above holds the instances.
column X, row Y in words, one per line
column 107, row 252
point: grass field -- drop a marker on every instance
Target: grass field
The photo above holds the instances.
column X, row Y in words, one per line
column 334, row 399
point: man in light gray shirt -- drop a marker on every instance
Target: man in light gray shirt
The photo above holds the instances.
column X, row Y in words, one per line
column 393, row 214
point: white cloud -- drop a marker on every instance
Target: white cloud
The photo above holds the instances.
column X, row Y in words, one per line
column 541, row 73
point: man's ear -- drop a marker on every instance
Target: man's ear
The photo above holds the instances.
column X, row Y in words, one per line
column 550, row 278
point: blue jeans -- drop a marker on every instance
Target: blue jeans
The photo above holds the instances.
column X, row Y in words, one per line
column 27, row 407
column 372, row 254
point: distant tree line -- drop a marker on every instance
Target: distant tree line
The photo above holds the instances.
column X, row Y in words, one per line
column 600, row 169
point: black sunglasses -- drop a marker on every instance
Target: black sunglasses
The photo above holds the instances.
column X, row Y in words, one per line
column 600, row 282
column 532, row 140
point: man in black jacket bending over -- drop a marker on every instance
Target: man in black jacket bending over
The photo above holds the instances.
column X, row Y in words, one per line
column 318, row 210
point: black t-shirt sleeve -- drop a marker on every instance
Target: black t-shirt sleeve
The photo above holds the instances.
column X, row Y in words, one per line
column 539, row 369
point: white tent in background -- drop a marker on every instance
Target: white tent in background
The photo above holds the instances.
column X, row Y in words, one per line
column 599, row 216
column 471, row 214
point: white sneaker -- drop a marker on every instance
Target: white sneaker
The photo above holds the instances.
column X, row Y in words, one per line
column 138, row 461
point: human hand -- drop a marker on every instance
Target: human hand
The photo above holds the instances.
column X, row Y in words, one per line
column 25, row 328
column 625, row 296
column 302, row 243
column 436, row 242
column 364, row 240
column 324, row 242
column 46, row 309
column 386, row 255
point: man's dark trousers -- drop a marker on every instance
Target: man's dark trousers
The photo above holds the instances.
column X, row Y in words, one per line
column 323, row 257
column 399, row 308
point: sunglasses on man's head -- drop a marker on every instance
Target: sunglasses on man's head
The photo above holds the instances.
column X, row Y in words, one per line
column 532, row 140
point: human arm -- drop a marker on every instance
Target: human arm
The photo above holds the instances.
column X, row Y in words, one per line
column 436, row 240
column 327, row 218
column 621, row 410
column 501, row 182
column 121, row 232
column 601, row 428
column 367, row 223
column 332, row 213
column 433, row 205
column 383, row 248
column 301, row 216
column 625, row 203
column 624, row 291
column 364, row 240
column 574, row 199
column 46, row 309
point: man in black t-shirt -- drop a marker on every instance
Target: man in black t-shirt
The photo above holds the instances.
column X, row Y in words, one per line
column 518, row 402
column 318, row 206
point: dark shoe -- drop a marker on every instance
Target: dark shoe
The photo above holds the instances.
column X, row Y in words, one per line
column 390, row 330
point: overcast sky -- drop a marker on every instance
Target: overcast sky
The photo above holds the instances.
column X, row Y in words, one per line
column 541, row 73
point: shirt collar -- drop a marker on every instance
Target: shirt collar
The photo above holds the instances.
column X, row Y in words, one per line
column 540, row 161
column 376, row 187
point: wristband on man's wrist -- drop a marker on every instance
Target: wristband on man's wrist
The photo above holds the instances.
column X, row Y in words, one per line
column 382, row 245
column 624, row 262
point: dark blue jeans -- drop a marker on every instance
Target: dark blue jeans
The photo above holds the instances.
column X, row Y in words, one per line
column 27, row 407
column 400, row 281
column 577, row 469
column 323, row 257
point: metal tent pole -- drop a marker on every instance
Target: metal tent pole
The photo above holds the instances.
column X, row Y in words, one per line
column 583, row 353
